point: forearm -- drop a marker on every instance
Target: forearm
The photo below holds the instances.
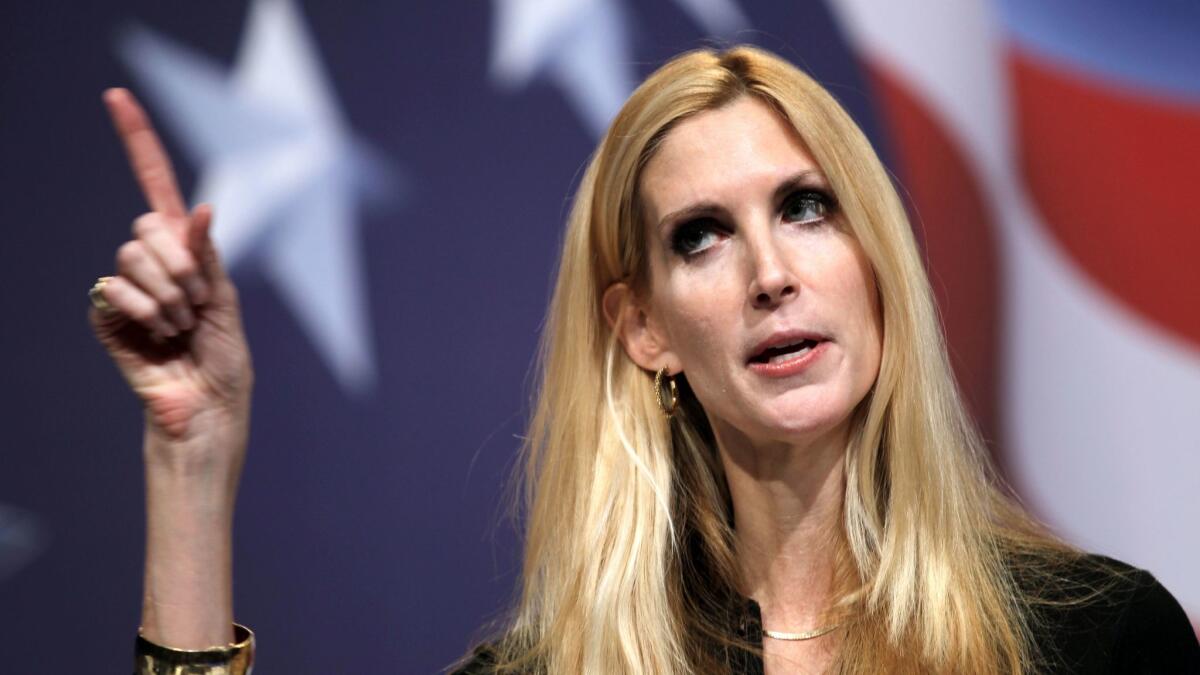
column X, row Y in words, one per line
column 188, row 586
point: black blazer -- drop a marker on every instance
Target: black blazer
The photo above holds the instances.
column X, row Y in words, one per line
column 1134, row 627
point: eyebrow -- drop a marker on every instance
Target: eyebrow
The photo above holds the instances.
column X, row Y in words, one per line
column 809, row 178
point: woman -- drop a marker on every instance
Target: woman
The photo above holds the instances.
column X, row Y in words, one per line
column 748, row 452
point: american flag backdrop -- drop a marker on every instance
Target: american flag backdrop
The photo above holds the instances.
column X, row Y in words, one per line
column 390, row 181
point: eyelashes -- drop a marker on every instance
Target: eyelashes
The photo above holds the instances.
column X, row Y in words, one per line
column 808, row 206
column 694, row 236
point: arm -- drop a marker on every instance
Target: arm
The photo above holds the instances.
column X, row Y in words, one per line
column 187, row 597
column 171, row 322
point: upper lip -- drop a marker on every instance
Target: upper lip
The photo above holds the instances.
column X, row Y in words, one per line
column 783, row 338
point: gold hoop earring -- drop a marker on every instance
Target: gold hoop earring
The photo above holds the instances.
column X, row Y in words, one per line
column 665, row 391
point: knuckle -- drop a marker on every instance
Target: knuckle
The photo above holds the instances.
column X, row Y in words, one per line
column 144, row 313
column 171, row 297
column 157, row 173
column 184, row 267
column 129, row 253
column 145, row 223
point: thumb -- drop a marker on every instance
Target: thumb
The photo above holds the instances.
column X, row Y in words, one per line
column 200, row 243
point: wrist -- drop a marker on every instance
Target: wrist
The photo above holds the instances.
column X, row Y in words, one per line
column 214, row 446
column 236, row 658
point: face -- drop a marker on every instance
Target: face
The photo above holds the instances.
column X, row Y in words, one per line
column 758, row 291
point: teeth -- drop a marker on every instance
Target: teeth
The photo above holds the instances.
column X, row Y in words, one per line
column 788, row 356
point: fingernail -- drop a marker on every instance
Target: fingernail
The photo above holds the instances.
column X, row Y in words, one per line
column 197, row 290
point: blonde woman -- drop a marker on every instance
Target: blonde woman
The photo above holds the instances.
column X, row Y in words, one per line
column 748, row 452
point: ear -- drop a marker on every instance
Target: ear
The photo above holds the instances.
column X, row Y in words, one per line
column 635, row 326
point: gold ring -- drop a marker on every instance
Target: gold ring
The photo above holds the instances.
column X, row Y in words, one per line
column 96, row 295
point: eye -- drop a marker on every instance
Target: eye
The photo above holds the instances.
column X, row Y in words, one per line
column 807, row 206
column 695, row 236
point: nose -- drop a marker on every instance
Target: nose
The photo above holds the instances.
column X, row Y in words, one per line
column 772, row 282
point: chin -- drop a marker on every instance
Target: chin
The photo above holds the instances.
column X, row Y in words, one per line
column 803, row 419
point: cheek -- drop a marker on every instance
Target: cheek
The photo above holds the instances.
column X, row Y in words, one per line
column 862, row 298
column 699, row 321
column 694, row 335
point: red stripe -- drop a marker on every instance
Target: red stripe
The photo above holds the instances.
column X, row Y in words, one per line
column 1116, row 180
column 958, row 235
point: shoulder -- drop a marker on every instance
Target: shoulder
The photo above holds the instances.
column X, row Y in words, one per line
column 1095, row 614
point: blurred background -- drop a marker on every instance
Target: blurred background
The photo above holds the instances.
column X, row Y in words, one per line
column 390, row 181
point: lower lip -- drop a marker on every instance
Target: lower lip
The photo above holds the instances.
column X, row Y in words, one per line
column 791, row 366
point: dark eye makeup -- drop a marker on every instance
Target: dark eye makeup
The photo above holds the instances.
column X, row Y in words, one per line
column 693, row 236
column 805, row 206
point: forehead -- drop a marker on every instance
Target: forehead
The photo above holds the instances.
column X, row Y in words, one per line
column 723, row 155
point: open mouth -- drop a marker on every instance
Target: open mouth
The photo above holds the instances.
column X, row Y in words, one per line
column 785, row 352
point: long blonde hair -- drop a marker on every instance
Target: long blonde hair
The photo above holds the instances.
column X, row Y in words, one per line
column 629, row 563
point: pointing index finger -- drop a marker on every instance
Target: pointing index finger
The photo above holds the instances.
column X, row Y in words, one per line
column 149, row 161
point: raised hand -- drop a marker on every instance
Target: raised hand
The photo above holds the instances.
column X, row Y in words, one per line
column 173, row 326
column 169, row 318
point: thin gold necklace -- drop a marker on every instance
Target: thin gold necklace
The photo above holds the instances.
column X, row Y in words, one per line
column 806, row 635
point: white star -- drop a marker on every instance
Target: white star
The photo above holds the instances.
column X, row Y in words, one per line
column 584, row 46
column 281, row 169
column 22, row 538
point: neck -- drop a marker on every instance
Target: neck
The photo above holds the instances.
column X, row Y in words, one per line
column 787, row 504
